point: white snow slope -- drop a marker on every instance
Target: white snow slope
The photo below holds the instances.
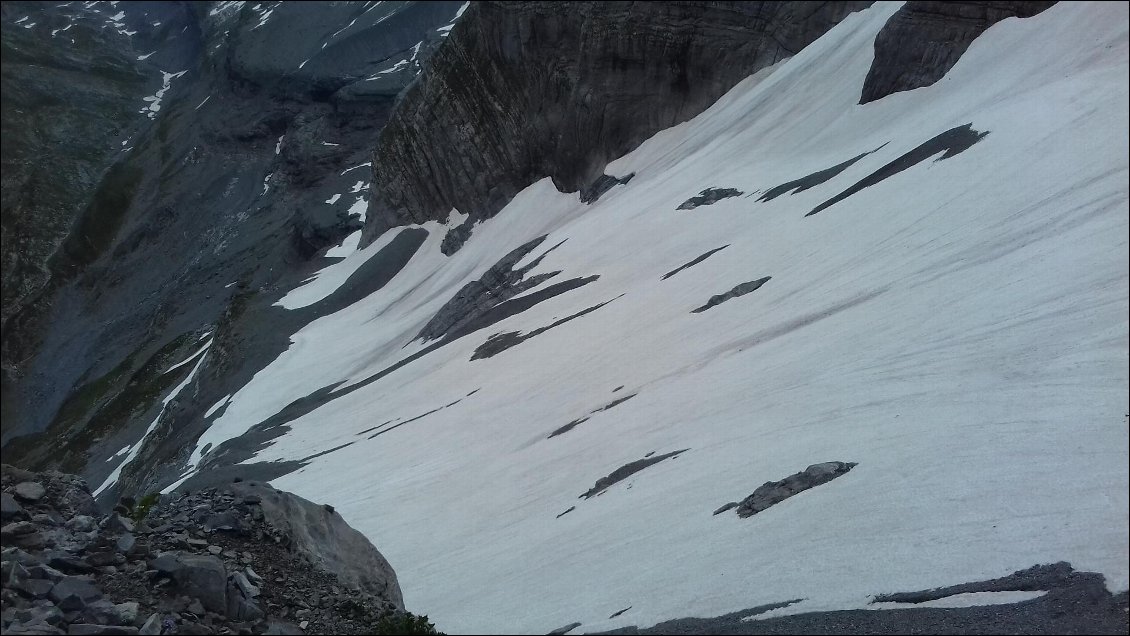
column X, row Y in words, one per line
column 959, row 329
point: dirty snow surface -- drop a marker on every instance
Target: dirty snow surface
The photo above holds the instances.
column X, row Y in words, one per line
column 958, row 328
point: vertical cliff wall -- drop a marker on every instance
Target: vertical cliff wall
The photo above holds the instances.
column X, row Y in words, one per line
column 521, row 91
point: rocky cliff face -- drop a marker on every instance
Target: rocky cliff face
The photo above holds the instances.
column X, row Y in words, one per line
column 242, row 558
column 924, row 40
column 166, row 170
column 526, row 90
column 72, row 88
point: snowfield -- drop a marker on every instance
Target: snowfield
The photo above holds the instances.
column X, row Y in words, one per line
column 959, row 329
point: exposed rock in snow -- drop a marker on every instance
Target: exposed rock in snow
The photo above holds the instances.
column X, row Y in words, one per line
column 772, row 493
column 923, row 40
column 738, row 290
column 709, row 196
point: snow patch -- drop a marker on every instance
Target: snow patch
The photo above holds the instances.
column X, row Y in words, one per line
column 188, row 359
column 227, row 6
column 362, row 165
column 215, row 407
column 154, row 100
column 359, row 208
column 347, row 247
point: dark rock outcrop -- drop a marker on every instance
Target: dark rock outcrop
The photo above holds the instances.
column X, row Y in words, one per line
column 500, row 283
column 627, row 470
column 527, row 90
column 1075, row 603
column 698, row 259
column 603, row 184
column 923, row 40
column 772, row 493
column 738, row 290
column 709, row 196
column 945, row 145
column 502, row 341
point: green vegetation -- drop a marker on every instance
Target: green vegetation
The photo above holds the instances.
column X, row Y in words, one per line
column 102, row 407
column 98, row 225
column 141, row 511
column 404, row 623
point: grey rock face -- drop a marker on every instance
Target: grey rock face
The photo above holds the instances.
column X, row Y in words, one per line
column 118, row 523
column 29, row 491
column 36, row 588
column 923, row 40
column 152, row 625
column 245, row 586
column 525, row 90
column 45, row 572
column 73, row 593
column 10, row 508
column 126, row 543
column 327, row 540
column 126, row 613
column 70, row 564
column 203, row 577
column 81, row 523
column 241, row 606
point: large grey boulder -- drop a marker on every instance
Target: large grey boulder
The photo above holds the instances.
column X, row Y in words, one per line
column 326, row 540
column 202, row 577
column 74, row 593
column 29, row 491
column 198, row 576
column 10, row 508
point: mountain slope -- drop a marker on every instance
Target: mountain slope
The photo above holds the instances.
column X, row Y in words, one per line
column 943, row 308
column 242, row 153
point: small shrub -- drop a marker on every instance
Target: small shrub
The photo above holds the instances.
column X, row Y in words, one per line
column 404, row 623
column 139, row 512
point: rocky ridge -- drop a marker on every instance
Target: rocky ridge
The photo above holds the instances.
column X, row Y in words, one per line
column 526, row 90
column 242, row 559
